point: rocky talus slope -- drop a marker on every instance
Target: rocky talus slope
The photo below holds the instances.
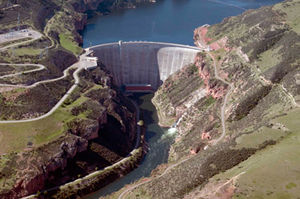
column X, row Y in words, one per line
column 256, row 56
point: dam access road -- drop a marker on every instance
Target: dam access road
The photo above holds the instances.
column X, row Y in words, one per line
column 137, row 62
column 142, row 62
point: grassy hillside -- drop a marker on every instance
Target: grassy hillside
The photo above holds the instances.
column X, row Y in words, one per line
column 257, row 157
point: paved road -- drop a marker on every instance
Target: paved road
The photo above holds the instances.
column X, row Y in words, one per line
column 78, row 66
column 34, row 35
column 223, row 120
column 75, row 75
column 65, row 74
column 39, row 68
column 126, row 191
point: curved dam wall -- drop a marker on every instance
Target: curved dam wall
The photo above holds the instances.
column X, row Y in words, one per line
column 144, row 62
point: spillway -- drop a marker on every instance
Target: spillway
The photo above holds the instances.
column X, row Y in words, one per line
column 143, row 62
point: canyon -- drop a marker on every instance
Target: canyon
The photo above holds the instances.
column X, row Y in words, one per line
column 232, row 98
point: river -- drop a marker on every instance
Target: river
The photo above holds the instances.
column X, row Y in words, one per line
column 158, row 139
column 166, row 21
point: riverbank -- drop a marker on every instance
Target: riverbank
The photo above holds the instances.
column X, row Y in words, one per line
column 101, row 178
column 158, row 142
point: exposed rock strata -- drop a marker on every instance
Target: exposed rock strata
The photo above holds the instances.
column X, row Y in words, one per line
column 255, row 53
column 109, row 130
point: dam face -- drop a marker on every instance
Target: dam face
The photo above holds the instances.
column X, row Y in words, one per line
column 143, row 62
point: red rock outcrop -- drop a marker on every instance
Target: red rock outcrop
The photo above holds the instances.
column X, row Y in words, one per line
column 214, row 88
column 33, row 167
column 202, row 40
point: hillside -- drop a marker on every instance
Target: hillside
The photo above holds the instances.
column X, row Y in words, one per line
column 40, row 46
column 241, row 139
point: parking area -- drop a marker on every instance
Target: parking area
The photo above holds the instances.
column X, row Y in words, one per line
column 20, row 34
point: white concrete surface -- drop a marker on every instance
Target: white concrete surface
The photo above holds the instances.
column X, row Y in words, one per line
column 144, row 62
column 16, row 35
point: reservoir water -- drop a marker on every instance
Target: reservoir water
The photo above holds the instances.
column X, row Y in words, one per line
column 166, row 21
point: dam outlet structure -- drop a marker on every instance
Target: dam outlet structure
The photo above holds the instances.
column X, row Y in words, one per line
column 143, row 63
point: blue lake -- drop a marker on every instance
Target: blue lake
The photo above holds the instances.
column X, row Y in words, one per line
column 166, row 21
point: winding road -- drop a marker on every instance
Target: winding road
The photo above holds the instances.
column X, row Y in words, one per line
column 65, row 74
column 223, row 120
column 78, row 66
column 76, row 78
column 39, row 68
column 129, row 189
column 34, row 35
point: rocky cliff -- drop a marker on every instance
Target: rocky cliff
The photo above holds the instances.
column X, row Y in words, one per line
column 246, row 115
column 98, row 124
column 101, row 131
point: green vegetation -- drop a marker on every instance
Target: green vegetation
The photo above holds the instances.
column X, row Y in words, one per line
column 209, row 101
column 67, row 43
column 256, row 139
column 272, row 172
column 192, row 69
column 262, row 119
column 94, row 180
column 291, row 10
column 269, row 59
column 25, row 51
column 15, row 137
column 14, row 42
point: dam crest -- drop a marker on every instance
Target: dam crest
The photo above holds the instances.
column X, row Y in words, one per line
column 142, row 62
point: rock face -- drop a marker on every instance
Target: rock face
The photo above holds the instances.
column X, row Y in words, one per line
column 105, row 134
column 254, row 55
column 106, row 5
column 32, row 168
column 179, row 92
column 190, row 99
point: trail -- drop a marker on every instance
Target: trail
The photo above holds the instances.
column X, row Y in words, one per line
column 225, row 99
column 65, row 74
column 290, row 96
column 126, row 191
column 76, row 78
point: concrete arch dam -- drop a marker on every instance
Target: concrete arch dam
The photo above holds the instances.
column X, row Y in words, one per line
column 144, row 62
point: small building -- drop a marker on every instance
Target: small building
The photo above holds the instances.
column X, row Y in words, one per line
column 90, row 62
